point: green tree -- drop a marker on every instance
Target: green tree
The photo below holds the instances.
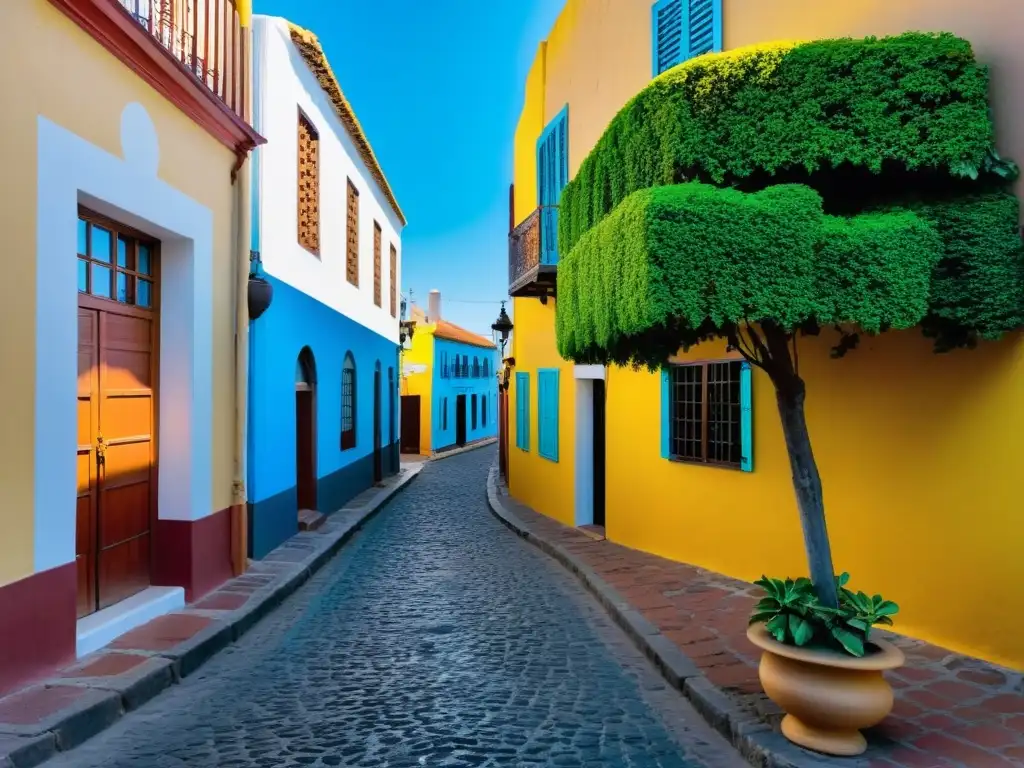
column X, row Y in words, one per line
column 771, row 192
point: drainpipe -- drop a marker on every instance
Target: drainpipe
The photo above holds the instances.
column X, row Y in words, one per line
column 243, row 190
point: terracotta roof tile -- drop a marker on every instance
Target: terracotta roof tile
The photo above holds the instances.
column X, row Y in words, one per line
column 452, row 332
column 310, row 49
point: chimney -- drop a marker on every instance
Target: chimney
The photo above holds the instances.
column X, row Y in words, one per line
column 434, row 306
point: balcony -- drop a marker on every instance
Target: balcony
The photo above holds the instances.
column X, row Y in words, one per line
column 204, row 37
column 533, row 254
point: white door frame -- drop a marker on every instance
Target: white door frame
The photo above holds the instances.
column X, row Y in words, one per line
column 584, row 376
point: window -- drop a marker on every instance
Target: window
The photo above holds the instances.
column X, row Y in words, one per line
column 444, row 414
column 376, row 264
column 348, row 403
column 523, row 411
column 706, row 413
column 684, row 29
column 483, row 410
column 465, row 366
column 552, row 176
column 309, row 185
column 352, row 245
column 473, row 411
column 487, row 368
column 476, row 367
column 392, row 394
column 394, row 281
column 116, row 265
column 547, row 413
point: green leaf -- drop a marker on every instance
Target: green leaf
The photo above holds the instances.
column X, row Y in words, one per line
column 801, row 630
column 768, row 604
column 884, row 620
column 763, row 616
column 842, row 580
column 777, row 627
column 849, row 640
column 887, row 608
column 858, row 624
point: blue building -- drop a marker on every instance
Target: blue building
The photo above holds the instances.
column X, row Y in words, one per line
column 449, row 385
column 324, row 357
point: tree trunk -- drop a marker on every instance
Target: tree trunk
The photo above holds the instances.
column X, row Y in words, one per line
column 807, row 484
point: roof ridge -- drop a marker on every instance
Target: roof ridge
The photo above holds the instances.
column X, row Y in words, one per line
column 310, row 49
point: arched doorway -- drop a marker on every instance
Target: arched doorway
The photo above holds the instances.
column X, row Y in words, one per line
column 378, row 455
column 305, row 429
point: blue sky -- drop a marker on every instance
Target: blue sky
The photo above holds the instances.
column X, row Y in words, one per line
column 438, row 87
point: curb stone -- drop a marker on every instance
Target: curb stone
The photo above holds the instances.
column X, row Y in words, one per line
column 755, row 740
column 463, row 449
column 103, row 701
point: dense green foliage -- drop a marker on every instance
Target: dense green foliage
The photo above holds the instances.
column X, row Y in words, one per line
column 769, row 114
column 855, row 184
column 673, row 264
column 793, row 615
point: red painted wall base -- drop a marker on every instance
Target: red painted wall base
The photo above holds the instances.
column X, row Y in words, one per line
column 194, row 554
column 37, row 625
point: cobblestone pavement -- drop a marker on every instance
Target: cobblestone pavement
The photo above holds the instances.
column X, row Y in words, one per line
column 436, row 638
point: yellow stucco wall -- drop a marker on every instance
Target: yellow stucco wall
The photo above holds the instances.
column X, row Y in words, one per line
column 53, row 68
column 918, row 452
column 421, row 352
column 545, row 485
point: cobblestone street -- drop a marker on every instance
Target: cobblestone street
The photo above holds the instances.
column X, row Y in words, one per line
column 436, row 637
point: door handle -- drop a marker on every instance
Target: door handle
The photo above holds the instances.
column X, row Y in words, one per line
column 101, row 450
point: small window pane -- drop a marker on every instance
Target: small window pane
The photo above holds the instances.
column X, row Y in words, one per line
column 125, row 253
column 83, row 276
column 144, row 265
column 144, row 296
column 83, row 238
column 100, row 281
column 101, row 245
column 124, row 287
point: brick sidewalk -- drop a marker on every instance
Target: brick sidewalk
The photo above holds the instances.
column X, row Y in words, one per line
column 86, row 697
column 951, row 711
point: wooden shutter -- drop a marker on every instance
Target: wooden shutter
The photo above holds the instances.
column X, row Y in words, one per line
column 552, row 176
column 352, row 250
column 377, row 258
column 666, row 413
column 547, row 414
column 684, row 29
column 667, row 34
column 394, row 281
column 523, row 411
column 746, row 418
column 308, row 186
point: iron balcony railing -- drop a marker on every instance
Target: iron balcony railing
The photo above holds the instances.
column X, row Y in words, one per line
column 534, row 243
column 205, row 37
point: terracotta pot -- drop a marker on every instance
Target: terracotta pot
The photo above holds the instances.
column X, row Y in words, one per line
column 828, row 696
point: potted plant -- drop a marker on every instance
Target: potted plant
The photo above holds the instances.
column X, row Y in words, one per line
column 821, row 665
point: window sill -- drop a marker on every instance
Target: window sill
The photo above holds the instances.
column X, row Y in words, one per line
column 549, row 458
column 709, row 464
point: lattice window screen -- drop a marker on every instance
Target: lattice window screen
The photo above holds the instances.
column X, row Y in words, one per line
column 309, row 186
column 352, row 253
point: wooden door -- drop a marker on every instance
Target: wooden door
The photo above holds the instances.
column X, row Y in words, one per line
column 410, row 424
column 116, row 483
column 305, row 445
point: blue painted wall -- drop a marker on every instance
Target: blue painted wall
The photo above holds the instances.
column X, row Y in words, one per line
column 292, row 322
column 450, row 388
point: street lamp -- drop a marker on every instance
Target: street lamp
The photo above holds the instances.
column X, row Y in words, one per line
column 503, row 327
column 406, row 328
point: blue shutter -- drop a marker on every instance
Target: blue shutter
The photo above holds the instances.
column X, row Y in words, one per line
column 746, row 419
column 667, row 34
column 552, row 176
column 523, row 411
column 666, row 412
column 684, row 29
column 547, row 413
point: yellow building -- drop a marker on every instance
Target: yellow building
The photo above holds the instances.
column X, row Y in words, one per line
column 449, row 385
column 125, row 219
column 918, row 452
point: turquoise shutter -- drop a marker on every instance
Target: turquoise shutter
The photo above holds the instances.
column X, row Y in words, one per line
column 746, row 419
column 552, row 176
column 684, row 29
column 523, row 411
column 666, row 413
column 667, row 34
column 547, row 414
